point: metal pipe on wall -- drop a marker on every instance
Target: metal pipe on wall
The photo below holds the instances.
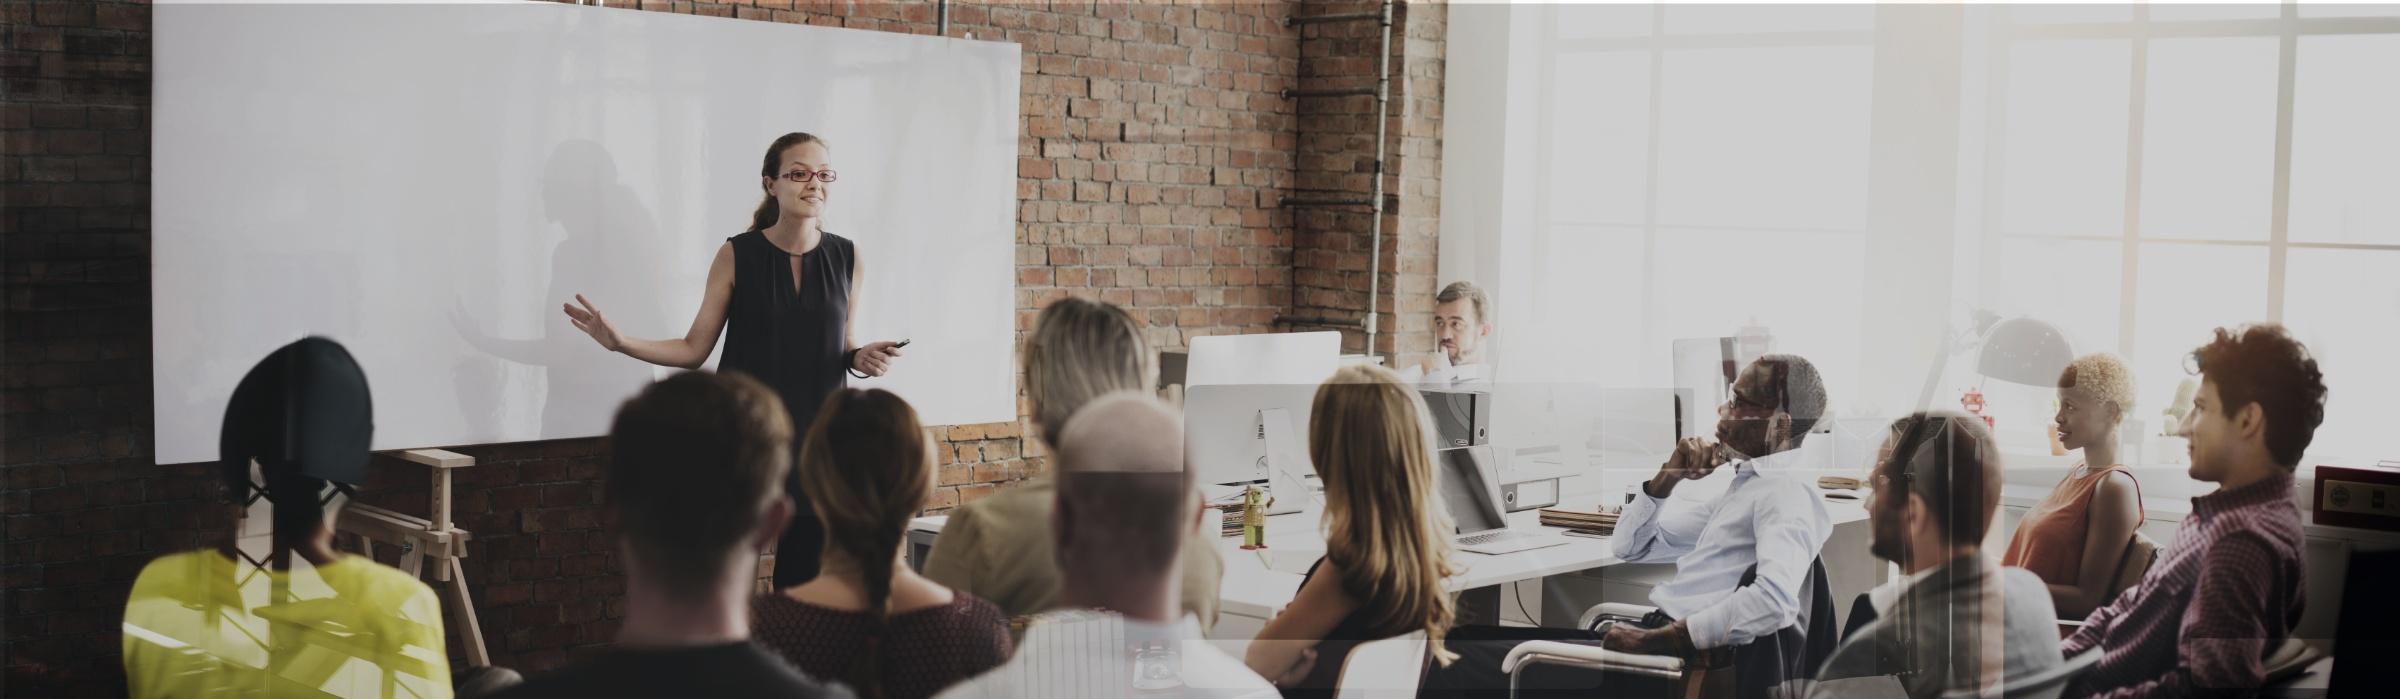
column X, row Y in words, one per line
column 1383, row 118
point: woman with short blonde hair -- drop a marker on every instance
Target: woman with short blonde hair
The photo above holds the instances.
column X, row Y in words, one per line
column 2074, row 538
column 1387, row 540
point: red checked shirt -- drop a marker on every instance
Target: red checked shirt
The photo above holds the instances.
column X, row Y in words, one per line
column 2228, row 590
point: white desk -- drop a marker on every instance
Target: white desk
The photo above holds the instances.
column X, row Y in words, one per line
column 1253, row 592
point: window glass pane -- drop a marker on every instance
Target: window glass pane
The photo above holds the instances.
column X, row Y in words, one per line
column 2345, row 147
column 2345, row 304
column 2074, row 285
column 1585, row 21
column 2322, row 9
column 2208, row 147
column 2185, row 292
column 1767, row 138
column 1585, row 320
column 2184, row 12
column 1807, row 289
column 1600, row 137
column 2062, row 155
column 2068, row 14
column 1751, row 19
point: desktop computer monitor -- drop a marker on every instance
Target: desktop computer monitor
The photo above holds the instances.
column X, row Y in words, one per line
column 1465, row 488
column 1224, row 438
column 1272, row 358
column 1704, row 373
column 1460, row 417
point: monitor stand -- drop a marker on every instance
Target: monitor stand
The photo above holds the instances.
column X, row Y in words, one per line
column 1282, row 462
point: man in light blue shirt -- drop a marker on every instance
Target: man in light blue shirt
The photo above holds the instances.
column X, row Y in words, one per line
column 1767, row 520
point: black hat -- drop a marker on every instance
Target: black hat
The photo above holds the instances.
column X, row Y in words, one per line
column 304, row 411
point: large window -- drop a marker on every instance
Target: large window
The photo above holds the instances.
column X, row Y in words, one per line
column 1702, row 168
column 2134, row 175
column 2155, row 172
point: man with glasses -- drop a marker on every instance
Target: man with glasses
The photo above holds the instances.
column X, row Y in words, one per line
column 1740, row 558
column 1937, row 484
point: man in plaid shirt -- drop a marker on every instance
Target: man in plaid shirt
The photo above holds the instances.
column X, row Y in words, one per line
column 2229, row 589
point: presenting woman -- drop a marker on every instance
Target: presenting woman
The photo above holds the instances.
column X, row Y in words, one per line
column 782, row 294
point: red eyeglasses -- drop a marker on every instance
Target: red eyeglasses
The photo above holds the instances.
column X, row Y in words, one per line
column 803, row 175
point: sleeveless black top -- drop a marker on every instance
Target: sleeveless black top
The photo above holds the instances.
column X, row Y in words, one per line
column 1334, row 649
column 789, row 332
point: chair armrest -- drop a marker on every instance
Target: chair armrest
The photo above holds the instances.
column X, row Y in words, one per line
column 1613, row 610
column 1532, row 653
column 2068, row 627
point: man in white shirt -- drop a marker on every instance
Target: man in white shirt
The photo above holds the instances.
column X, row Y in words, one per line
column 1742, row 557
column 1462, row 328
column 1125, row 505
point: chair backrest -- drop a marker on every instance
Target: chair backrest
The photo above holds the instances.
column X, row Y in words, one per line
column 2047, row 684
column 2138, row 556
column 1387, row 669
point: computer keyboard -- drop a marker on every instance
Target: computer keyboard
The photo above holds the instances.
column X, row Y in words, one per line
column 1494, row 537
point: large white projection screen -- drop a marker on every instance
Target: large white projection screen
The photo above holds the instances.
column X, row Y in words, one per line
column 428, row 183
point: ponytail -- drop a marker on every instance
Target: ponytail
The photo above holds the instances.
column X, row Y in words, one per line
column 866, row 467
column 768, row 210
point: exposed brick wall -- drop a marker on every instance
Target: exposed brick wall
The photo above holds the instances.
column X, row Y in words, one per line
column 1337, row 162
column 1154, row 150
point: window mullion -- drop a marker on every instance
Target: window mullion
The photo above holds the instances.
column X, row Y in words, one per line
column 2286, row 70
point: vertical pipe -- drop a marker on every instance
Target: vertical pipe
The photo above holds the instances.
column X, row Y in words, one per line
column 1383, row 101
column 941, row 18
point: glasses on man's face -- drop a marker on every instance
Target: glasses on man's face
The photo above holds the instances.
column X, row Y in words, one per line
column 803, row 175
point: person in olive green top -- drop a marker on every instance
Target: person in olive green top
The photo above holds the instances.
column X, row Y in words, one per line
column 998, row 548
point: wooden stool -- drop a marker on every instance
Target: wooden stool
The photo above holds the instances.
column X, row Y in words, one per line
column 419, row 538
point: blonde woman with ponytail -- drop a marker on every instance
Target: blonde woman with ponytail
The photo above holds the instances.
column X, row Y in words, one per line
column 781, row 294
column 867, row 620
column 1387, row 538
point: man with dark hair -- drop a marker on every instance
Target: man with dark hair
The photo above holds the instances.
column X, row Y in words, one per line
column 1741, row 558
column 1125, row 507
column 695, row 471
column 295, row 436
column 1462, row 327
column 2228, row 590
column 1937, row 485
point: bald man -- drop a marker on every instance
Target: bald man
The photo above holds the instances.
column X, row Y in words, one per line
column 1125, row 505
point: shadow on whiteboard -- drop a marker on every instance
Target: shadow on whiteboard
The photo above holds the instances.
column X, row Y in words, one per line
column 613, row 241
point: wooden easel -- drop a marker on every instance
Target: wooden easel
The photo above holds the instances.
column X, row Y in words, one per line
column 419, row 538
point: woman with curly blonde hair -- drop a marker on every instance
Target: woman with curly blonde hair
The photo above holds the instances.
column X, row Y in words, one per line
column 2075, row 537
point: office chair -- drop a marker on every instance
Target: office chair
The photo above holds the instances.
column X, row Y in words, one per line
column 2046, row 684
column 1815, row 640
column 2139, row 556
column 1387, row 669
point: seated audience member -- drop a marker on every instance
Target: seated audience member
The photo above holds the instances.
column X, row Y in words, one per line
column 1462, row 331
column 2228, row 589
column 1125, row 508
column 868, row 620
column 695, row 468
column 1741, row 557
column 1387, row 539
column 334, row 623
column 1937, row 486
column 998, row 548
column 2075, row 538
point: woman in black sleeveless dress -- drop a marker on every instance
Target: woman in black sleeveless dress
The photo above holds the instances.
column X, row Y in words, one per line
column 781, row 294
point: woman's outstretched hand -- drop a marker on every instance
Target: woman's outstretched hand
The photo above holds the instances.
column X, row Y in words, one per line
column 589, row 320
